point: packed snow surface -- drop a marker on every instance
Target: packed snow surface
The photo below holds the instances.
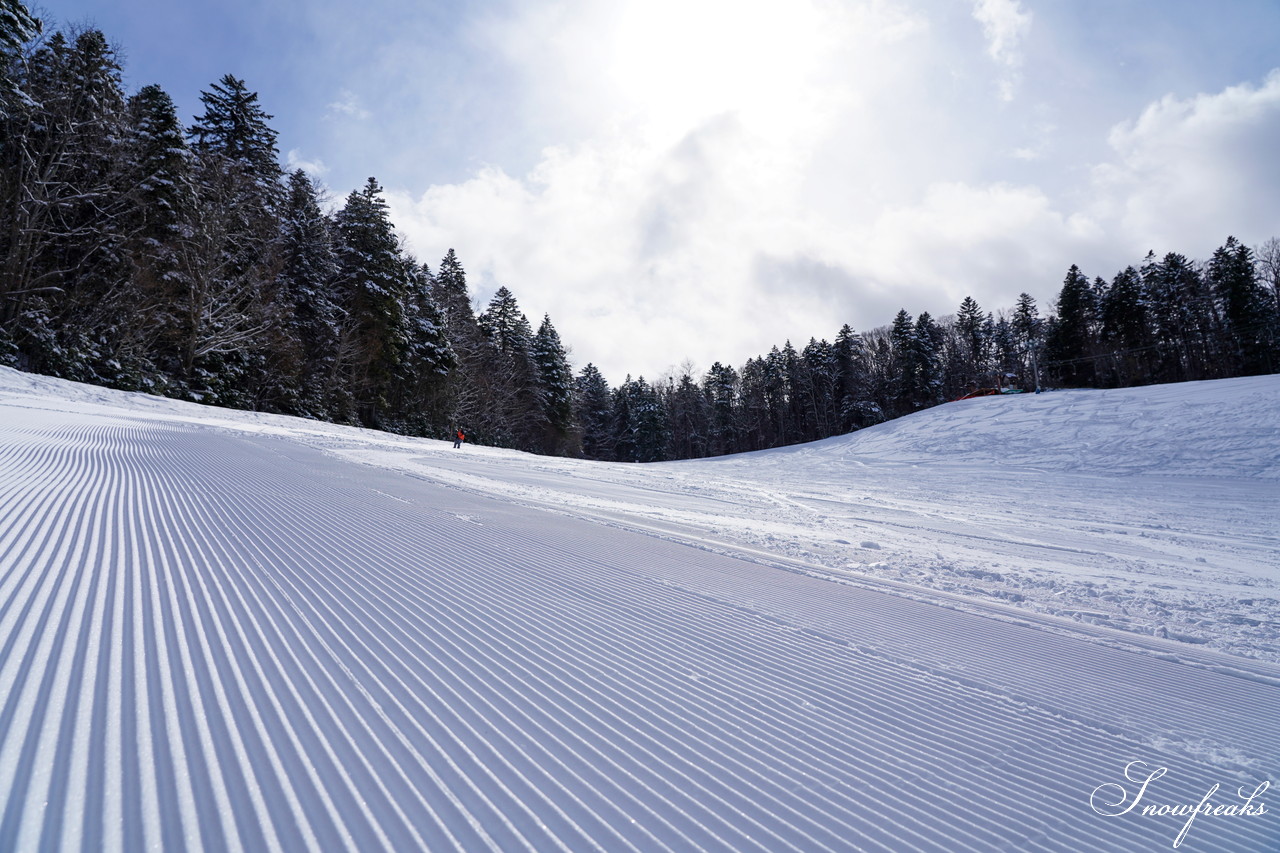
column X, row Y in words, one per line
column 981, row 627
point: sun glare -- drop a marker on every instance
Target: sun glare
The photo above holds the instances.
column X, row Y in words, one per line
column 679, row 62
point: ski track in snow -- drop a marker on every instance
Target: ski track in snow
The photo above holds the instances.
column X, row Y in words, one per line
column 223, row 638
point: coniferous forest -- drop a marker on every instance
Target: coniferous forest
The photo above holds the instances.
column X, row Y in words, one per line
column 144, row 253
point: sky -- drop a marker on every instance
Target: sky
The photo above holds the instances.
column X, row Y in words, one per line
column 680, row 182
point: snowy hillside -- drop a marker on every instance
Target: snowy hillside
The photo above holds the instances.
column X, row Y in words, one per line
column 1152, row 510
column 221, row 630
column 1226, row 428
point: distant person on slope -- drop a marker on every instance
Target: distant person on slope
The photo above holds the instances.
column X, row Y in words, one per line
column 458, row 438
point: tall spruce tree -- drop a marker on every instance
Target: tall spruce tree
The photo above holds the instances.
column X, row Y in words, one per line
column 1184, row 317
column 161, row 161
column 235, row 127
column 373, row 281
column 423, row 402
column 594, row 413
column 162, row 198
column 928, row 345
column 779, row 374
column 1028, row 329
column 799, row 405
column 1126, row 327
column 642, row 428
column 474, row 389
column 720, row 386
column 820, row 394
column 555, row 379
column 453, row 297
column 506, row 325
column 620, row 433
column 755, row 424
column 1008, row 352
column 306, row 319
column 689, row 419
column 1248, row 320
column 1073, row 340
column 516, row 393
column 858, row 409
column 904, row 369
column 975, row 345
column 225, row 258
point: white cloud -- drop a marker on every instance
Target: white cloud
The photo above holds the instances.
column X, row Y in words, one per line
column 1005, row 25
column 646, row 257
column 642, row 255
column 989, row 241
column 315, row 167
column 347, row 105
column 1196, row 169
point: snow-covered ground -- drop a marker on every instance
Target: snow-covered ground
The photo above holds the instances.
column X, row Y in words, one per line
column 224, row 630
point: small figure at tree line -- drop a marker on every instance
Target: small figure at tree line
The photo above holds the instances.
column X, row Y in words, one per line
column 458, row 437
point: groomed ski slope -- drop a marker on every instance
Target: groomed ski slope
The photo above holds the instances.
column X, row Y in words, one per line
column 220, row 631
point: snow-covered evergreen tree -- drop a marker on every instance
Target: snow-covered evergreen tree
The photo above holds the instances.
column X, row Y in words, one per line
column 642, row 429
column 689, row 419
column 556, row 381
column 754, row 424
column 424, row 403
column 1184, row 319
column 234, row 126
column 161, row 162
column 506, row 325
column 517, row 395
column 974, row 343
column 1248, row 318
column 902, row 340
column 928, row 345
column 1070, row 345
column 161, row 197
column 781, row 427
column 720, row 386
column 1126, row 326
column 1026, row 320
column 857, row 406
column 1029, row 329
column 373, row 283
column 17, row 27
column 821, row 389
column 306, row 317
column 1008, row 351
column 473, row 388
column 454, row 299
column 796, row 407
column 593, row 407
column 225, row 258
